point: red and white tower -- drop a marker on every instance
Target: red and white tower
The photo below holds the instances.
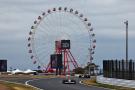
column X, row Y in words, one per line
column 63, row 47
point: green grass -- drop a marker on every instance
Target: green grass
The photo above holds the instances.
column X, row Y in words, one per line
column 26, row 76
column 13, row 86
column 43, row 76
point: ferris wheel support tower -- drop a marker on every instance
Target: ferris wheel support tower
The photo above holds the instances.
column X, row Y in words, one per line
column 63, row 47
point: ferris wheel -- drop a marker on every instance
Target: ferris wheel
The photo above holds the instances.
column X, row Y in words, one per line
column 60, row 24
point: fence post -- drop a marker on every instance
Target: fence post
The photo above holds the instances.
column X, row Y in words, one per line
column 130, row 70
column 133, row 71
column 123, row 70
column 116, row 65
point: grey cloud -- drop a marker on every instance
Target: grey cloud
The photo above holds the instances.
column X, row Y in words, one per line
column 106, row 16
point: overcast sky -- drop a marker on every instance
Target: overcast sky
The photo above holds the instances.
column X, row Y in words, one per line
column 107, row 18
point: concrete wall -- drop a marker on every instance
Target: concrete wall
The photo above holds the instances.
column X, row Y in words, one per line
column 117, row 82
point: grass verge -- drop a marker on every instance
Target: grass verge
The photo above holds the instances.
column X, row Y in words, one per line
column 42, row 76
column 93, row 82
column 14, row 86
column 6, row 77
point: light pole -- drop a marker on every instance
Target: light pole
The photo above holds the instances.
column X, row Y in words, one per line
column 126, row 22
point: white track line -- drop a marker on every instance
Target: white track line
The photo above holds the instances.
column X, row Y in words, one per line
column 26, row 83
column 21, row 84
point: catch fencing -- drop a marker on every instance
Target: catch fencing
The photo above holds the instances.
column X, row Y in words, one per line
column 120, row 69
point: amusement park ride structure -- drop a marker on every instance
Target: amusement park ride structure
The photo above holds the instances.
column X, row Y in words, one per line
column 62, row 46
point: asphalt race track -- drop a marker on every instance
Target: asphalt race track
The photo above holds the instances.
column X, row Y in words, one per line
column 56, row 84
column 52, row 84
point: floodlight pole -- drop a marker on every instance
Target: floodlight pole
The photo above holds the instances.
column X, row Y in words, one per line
column 126, row 22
